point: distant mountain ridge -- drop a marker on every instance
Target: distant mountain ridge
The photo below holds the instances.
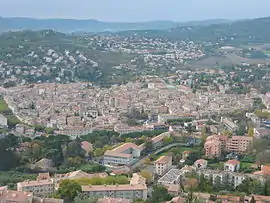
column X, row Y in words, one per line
column 242, row 31
column 90, row 25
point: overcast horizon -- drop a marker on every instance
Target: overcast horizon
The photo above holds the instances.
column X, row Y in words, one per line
column 137, row 10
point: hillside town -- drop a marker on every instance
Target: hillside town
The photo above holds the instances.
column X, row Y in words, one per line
column 134, row 117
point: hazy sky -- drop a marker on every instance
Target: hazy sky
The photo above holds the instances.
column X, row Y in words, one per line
column 136, row 10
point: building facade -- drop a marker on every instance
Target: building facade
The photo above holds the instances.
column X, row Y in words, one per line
column 125, row 154
column 37, row 187
column 163, row 164
column 215, row 145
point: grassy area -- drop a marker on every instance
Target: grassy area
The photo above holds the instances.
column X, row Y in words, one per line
column 10, row 178
column 175, row 151
column 216, row 166
column 179, row 150
column 4, row 107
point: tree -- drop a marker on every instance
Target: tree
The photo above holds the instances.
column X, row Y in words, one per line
column 190, row 198
column 74, row 149
column 189, row 128
column 68, row 190
column 251, row 132
column 148, row 176
column 252, row 200
column 160, row 194
column 148, row 146
column 263, row 157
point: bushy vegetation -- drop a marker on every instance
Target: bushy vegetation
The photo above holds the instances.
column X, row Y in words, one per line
column 110, row 180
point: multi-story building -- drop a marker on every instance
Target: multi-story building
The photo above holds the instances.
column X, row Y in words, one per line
column 215, row 145
column 124, row 129
column 212, row 147
column 163, row 164
column 116, row 191
column 239, row 144
column 137, row 189
column 37, row 187
column 229, row 124
column 234, row 179
column 157, row 126
column 125, row 154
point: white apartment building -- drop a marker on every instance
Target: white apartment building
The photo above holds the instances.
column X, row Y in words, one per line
column 235, row 178
column 37, row 187
column 125, row 154
column 163, row 164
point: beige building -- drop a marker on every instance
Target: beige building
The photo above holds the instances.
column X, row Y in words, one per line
column 137, row 189
column 239, row 144
column 37, row 187
column 163, row 164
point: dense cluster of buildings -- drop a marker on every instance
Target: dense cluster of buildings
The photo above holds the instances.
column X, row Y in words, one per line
column 78, row 108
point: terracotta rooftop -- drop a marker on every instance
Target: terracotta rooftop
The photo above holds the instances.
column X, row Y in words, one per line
column 14, row 196
column 233, row 162
column 35, row 183
column 163, row 160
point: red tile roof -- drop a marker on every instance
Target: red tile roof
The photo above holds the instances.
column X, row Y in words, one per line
column 233, row 162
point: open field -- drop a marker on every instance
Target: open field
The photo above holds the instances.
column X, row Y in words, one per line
column 215, row 61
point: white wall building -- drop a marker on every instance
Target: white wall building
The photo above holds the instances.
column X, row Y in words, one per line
column 125, row 154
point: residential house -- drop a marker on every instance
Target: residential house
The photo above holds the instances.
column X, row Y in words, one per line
column 265, row 170
column 201, row 164
column 163, row 164
column 232, row 165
